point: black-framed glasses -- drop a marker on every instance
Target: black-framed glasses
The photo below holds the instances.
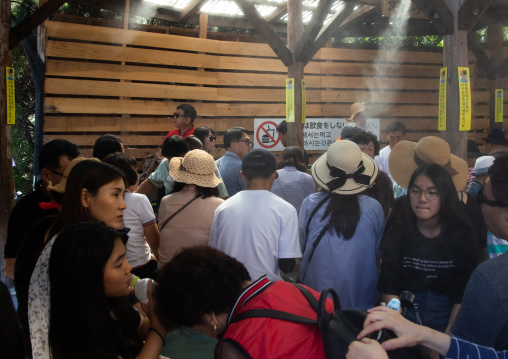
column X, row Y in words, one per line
column 212, row 138
column 480, row 198
column 247, row 141
column 55, row 172
column 430, row 194
column 178, row 115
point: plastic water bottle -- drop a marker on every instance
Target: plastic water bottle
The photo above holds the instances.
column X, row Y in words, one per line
column 140, row 288
column 394, row 304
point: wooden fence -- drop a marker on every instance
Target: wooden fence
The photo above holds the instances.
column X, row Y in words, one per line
column 126, row 82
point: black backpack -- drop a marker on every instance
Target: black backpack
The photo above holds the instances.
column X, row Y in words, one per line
column 338, row 329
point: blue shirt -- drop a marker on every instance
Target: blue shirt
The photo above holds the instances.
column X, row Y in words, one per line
column 230, row 166
column 348, row 266
column 462, row 349
column 293, row 186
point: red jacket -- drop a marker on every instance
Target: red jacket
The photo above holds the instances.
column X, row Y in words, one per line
column 176, row 132
column 274, row 338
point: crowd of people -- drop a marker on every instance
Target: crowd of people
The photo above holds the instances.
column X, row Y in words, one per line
column 227, row 238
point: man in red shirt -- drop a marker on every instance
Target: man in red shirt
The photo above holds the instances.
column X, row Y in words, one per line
column 183, row 119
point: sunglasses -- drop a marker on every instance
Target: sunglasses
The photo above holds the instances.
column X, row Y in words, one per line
column 55, row 172
column 178, row 115
column 212, row 138
column 247, row 141
column 480, row 198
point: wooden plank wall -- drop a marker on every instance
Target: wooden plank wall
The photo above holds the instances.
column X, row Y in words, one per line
column 109, row 80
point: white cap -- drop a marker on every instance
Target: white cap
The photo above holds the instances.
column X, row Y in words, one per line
column 482, row 164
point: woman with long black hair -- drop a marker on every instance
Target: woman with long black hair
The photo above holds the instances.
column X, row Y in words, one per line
column 340, row 229
column 432, row 251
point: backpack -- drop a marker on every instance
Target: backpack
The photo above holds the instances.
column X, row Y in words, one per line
column 338, row 329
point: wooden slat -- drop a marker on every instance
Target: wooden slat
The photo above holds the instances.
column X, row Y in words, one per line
column 161, row 57
column 422, row 57
column 378, row 96
column 384, row 70
column 67, row 30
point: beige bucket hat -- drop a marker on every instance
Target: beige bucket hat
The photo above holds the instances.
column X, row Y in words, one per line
column 197, row 167
column 407, row 156
column 357, row 107
column 344, row 169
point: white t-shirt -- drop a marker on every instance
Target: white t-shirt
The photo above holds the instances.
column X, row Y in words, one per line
column 139, row 213
column 257, row 228
column 382, row 161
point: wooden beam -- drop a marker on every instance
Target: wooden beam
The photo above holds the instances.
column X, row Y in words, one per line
column 313, row 27
column 25, row 28
column 439, row 13
column 311, row 48
column 277, row 14
column 470, row 12
column 190, row 10
column 483, row 62
column 265, row 30
column 503, row 69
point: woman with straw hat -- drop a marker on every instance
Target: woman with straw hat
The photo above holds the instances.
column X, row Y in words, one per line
column 340, row 230
column 185, row 216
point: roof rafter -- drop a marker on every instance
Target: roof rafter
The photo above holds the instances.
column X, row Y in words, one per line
column 313, row 27
column 277, row 14
column 265, row 30
column 470, row 12
column 190, row 10
column 444, row 21
column 311, row 48
column 482, row 60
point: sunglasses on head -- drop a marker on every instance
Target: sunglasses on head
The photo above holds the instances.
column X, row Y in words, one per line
column 480, row 198
column 178, row 115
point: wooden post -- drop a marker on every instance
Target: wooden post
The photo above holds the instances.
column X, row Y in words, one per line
column 125, row 116
column 495, row 39
column 295, row 31
column 6, row 179
column 454, row 55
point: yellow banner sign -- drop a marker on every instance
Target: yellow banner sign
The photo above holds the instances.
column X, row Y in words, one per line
column 464, row 99
column 499, row 105
column 290, row 100
column 304, row 102
column 442, row 99
column 11, row 98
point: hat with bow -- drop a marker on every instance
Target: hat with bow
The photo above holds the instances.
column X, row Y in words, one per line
column 344, row 169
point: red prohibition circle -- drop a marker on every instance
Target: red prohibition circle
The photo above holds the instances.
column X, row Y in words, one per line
column 275, row 142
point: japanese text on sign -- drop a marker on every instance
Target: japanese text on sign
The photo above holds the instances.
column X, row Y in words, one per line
column 465, row 99
column 442, row 99
column 11, row 98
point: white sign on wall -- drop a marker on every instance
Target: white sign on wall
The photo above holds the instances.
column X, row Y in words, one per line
column 318, row 133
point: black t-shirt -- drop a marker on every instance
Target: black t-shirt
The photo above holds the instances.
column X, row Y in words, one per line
column 23, row 216
column 413, row 262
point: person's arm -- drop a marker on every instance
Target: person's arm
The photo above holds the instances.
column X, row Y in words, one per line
column 151, row 233
column 9, row 267
column 408, row 334
column 453, row 315
column 146, row 187
column 287, row 264
column 155, row 338
column 366, row 349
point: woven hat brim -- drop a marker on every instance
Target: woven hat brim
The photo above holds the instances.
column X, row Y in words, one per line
column 206, row 180
column 402, row 165
column 321, row 174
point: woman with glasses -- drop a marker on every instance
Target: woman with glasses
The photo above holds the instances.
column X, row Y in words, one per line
column 207, row 136
column 431, row 252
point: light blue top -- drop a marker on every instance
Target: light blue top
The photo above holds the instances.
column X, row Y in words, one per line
column 293, row 186
column 160, row 177
column 230, row 166
column 349, row 266
column 462, row 349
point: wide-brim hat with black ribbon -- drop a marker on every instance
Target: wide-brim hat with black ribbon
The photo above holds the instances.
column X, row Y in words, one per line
column 197, row 167
column 357, row 107
column 344, row 169
column 407, row 156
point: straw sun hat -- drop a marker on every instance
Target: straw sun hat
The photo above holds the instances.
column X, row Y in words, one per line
column 357, row 107
column 60, row 187
column 344, row 169
column 407, row 156
column 197, row 167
